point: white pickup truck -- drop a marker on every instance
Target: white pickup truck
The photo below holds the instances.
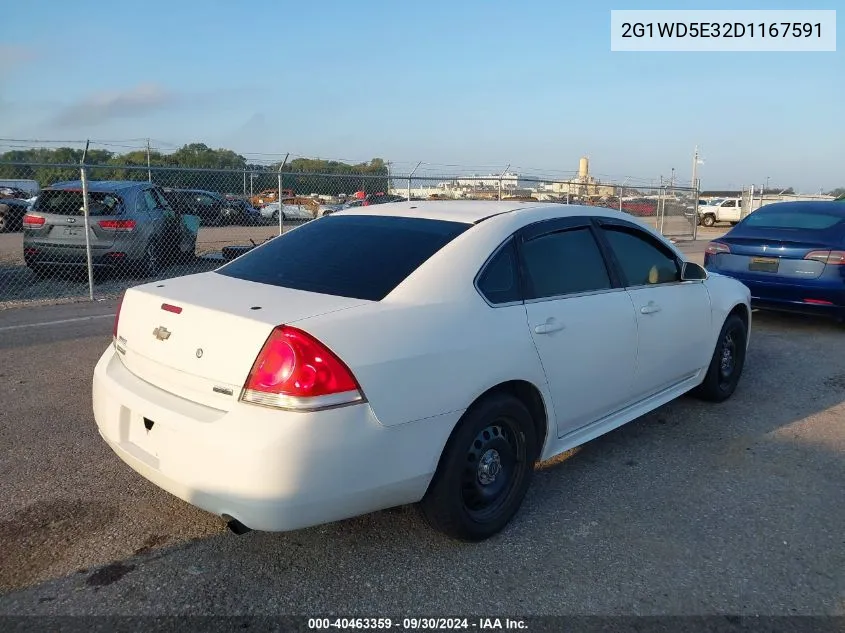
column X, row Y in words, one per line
column 720, row 210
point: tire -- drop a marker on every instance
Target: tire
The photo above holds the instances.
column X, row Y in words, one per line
column 721, row 380
column 151, row 264
column 490, row 454
column 40, row 272
column 188, row 257
column 5, row 223
column 708, row 220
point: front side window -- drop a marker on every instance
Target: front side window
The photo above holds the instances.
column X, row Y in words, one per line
column 643, row 261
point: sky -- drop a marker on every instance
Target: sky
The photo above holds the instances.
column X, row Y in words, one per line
column 463, row 85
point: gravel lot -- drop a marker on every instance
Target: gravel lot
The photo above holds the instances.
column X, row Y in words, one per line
column 694, row 509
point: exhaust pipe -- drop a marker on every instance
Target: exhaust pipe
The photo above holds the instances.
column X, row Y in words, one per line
column 236, row 526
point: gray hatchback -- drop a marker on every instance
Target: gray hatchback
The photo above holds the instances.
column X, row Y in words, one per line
column 130, row 226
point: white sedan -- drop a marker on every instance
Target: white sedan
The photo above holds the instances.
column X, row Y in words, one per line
column 426, row 352
column 289, row 211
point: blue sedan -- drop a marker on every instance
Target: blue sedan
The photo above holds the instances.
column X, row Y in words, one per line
column 791, row 255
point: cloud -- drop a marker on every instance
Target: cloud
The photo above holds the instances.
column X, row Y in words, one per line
column 101, row 107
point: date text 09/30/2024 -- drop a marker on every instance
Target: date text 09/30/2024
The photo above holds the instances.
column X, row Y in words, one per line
column 417, row 624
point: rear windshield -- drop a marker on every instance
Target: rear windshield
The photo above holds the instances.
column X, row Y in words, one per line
column 69, row 202
column 356, row 256
column 801, row 220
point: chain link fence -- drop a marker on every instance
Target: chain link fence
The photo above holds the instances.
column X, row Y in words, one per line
column 70, row 232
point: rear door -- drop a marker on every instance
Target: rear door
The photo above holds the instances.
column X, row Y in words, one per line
column 64, row 218
column 673, row 316
column 581, row 320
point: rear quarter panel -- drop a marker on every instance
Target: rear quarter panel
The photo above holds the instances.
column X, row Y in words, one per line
column 417, row 361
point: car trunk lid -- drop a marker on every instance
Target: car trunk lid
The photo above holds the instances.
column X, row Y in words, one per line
column 772, row 251
column 197, row 336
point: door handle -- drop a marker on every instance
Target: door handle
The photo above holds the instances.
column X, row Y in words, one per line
column 651, row 308
column 548, row 327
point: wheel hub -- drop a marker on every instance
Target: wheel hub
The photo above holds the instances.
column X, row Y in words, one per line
column 727, row 359
column 489, row 467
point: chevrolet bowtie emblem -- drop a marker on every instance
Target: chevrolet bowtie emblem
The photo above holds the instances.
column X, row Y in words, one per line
column 161, row 333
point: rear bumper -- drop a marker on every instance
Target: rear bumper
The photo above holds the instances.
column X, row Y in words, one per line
column 46, row 254
column 812, row 297
column 270, row 470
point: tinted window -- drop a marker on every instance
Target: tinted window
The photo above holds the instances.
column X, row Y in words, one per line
column 69, row 202
column 499, row 282
column 643, row 260
column 563, row 263
column 802, row 220
column 363, row 257
column 149, row 200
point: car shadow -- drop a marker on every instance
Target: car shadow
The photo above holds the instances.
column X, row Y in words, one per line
column 694, row 508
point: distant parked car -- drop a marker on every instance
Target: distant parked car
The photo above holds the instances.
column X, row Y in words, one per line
column 209, row 206
column 328, row 209
column 242, row 212
column 289, row 211
column 12, row 211
column 790, row 254
column 130, row 224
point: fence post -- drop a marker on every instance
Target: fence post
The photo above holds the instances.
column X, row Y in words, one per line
column 500, row 180
column 661, row 202
column 696, row 196
column 279, row 195
column 409, row 178
column 83, row 172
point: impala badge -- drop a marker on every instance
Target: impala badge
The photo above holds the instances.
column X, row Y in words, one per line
column 161, row 333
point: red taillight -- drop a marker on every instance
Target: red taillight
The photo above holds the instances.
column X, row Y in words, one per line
column 32, row 221
column 117, row 316
column 295, row 371
column 830, row 258
column 171, row 308
column 714, row 248
column 117, row 225
column 818, row 302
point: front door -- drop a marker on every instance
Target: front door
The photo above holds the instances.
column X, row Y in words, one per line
column 673, row 316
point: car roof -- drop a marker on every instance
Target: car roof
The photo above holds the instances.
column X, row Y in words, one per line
column 102, row 186
column 475, row 211
column 823, row 206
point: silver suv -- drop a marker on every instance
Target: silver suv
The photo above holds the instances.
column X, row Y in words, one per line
column 130, row 226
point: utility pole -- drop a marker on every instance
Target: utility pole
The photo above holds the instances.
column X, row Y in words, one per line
column 388, row 179
column 695, row 167
column 149, row 171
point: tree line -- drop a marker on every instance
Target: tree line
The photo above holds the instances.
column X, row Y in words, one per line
column 225, row 171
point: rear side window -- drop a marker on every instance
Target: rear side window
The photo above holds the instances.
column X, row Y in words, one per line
column 564, row 262
column 801, row 220
column 361, row 257
column 70, row 202
column 499, row 281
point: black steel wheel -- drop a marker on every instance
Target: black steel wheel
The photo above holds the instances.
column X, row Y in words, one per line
column 727, row 362
column 485, row 470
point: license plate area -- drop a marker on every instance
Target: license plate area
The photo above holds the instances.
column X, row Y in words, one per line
column 142, row 433
column 71, row 231
column 764, row 264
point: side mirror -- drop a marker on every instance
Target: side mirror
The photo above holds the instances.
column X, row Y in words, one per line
column 690, row 271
